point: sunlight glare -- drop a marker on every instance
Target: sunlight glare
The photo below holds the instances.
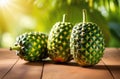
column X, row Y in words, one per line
column 3, row 3
column 11, row 10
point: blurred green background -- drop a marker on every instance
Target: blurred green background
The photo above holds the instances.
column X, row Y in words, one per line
column 19, row 16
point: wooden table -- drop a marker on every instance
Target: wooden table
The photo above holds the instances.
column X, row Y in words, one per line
column 12, row 67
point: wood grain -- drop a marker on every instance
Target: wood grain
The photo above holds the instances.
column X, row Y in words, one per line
column 7, row 54
column 112, row 60
column 74, row 71
column 12, row 67
column 25, row 70
column 7, row 60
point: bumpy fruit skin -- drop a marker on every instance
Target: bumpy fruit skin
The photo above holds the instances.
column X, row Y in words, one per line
column 32, row 46
column 87, row 43
column 58, row 42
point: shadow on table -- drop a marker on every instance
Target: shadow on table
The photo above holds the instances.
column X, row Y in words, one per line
column 34, row 63
column 74, row 64
column 109, row 67
column 98, row 66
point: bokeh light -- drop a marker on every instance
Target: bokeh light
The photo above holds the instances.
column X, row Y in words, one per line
column 4, row 3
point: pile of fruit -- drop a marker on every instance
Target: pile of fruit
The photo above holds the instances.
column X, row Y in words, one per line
column 83, row 42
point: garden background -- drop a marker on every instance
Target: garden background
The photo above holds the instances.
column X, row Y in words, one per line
column 20, row 16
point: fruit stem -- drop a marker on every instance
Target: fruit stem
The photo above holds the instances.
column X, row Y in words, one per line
column 64, row 18
column 15, row 48
column 84, row 15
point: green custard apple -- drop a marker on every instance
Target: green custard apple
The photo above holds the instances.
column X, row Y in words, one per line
column 31, row 46
column 59, row 40
column 87, row 43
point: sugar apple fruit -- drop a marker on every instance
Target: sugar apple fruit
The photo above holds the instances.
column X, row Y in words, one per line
column 87, row 43
column 31, row 46
column 59, row 40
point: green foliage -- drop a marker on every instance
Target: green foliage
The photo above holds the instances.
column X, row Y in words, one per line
column 42, row 14
column 73, row 11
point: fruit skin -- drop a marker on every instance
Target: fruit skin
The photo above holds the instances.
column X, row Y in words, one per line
column 31, row 46
column 58, row 42
column 87, row 43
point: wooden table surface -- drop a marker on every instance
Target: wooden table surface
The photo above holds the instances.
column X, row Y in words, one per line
column 12, row 67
